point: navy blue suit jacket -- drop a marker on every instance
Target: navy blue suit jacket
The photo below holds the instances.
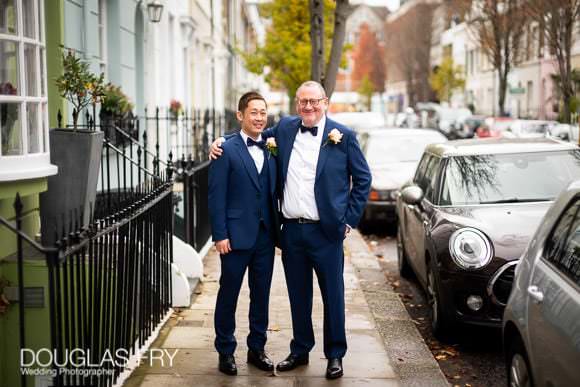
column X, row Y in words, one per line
column 343, row 178
column 233, row 195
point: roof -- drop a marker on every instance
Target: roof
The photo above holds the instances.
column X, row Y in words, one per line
column 498, row 146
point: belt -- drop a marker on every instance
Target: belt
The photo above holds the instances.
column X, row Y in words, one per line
column 301, row 221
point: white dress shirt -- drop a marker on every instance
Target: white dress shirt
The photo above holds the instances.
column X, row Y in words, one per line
column 256, row 152
column 298, row 200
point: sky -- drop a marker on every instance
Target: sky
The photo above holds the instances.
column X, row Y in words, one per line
column 392, row 4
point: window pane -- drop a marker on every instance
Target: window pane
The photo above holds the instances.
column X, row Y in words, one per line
column 8, row 17
column 33, row 129
column 44, row 134
column 556, row 244
column 517, row 177
column 30, row 65
column 9, row 68
column 10, row 129
column 28, row 14
column 40, row 22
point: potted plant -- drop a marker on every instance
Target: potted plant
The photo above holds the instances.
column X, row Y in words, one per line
column 76, row 152
column 116, row 110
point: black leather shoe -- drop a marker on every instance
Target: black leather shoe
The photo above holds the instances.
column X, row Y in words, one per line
column 291, row 362
column 334, row 369
column 260, row 360
column 227, row 365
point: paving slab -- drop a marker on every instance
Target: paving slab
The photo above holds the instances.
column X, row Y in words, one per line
column 375, row 320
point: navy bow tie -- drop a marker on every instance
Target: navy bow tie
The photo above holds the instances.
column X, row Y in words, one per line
column 251, row 142
column 313, row 130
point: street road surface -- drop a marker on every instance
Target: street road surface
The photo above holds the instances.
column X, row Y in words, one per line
column 473, row 358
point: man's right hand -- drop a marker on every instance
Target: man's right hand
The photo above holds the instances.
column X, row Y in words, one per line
column 223, row 247
column 214, row 150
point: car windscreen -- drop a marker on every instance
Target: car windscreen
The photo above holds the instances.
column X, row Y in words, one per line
column 508, row 178
column 535, row 128
column 395, row 149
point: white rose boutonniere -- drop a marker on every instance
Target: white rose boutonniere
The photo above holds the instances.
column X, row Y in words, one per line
column 271, row 146
column 335, row 136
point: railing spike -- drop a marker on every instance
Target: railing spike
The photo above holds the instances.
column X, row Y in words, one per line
column 18, row 205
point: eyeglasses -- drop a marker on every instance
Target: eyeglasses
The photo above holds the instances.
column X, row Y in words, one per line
column 313, row 102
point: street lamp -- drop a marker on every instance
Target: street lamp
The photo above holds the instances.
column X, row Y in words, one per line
column 154, row 11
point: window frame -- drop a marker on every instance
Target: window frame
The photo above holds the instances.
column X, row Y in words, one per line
column 40, row 100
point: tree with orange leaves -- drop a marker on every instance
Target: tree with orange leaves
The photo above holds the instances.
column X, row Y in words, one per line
column 369, row 60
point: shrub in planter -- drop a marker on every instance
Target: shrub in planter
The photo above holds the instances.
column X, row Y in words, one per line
column 116, row 109
column 76, row 153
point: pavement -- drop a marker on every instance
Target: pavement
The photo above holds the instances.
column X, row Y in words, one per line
column 384, row 346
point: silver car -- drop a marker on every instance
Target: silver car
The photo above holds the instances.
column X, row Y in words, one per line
column 541, row 324
column 393, row 155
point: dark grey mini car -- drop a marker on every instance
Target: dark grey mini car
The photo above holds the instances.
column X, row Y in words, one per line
column 468, row 215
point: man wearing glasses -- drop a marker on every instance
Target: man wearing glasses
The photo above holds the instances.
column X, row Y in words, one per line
column 324, row 182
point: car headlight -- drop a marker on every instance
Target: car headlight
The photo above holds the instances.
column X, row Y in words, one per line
column 470, row 248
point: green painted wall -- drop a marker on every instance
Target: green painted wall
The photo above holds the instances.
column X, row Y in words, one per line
column 54, row 21
column 35, row 275
column 28, row 190
column 36, row 322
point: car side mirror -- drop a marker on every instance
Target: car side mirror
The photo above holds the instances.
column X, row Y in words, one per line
column 412, row 194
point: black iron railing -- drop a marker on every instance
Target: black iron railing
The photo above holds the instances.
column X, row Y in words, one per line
column 109, row 284
column 194, row 227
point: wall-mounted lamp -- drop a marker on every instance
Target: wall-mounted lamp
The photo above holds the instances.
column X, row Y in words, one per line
column 154, row 11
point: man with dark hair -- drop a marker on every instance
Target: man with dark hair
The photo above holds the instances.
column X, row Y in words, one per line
column 243, row 212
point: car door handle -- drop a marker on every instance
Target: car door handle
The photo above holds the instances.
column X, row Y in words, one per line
column 536, row 294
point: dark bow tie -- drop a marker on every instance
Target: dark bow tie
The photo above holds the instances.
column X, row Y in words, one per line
column 252, row 142
column 313, row 130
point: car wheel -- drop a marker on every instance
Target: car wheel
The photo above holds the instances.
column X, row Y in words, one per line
column 440, row 322
column 518, row 366
column 405, row 270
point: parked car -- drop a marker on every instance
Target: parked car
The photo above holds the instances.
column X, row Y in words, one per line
column 360, row 120
column 493, row 127
column 392, row 155
column 467, row 216
column 541, row 325
column 467, row 126
column 565, row 132
column 528, row 128
column 443, row 118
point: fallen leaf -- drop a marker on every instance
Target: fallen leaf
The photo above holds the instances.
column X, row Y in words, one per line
column 456, row 377
column 274, row 328
column 441, row 357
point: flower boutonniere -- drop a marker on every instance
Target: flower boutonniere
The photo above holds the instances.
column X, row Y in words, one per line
column 335, row 136
column 271, row 146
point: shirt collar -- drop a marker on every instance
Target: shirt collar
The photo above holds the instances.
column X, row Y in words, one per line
column 320, row 124
column 245, row 137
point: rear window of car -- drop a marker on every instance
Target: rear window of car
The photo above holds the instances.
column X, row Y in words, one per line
column 508, row 178
column 393, row 149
